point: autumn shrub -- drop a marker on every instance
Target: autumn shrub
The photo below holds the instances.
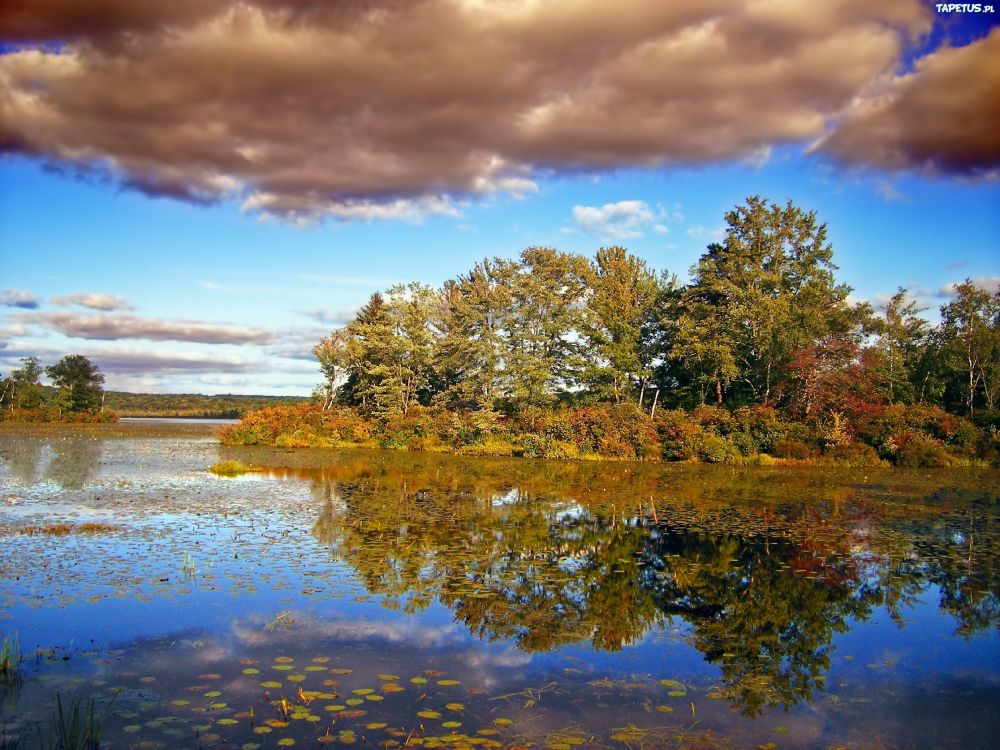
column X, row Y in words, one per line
column 679, row 436
column 714, row 418
column 791, row 449
column 619, row 431
column 757, row 429
column 717, row 449
column 346, row 425
column 52, row 414
column 683, row 439
column 853, row 454
column 302, row 439
column 917, row 449
column 921, row 429
column 490, row 446
column 264, row 426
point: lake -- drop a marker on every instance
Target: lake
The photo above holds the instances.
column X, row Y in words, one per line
column 408, row 599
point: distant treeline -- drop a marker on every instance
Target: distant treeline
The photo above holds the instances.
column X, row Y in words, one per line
column 557, row 354
column 78, row 395
column 192, row 405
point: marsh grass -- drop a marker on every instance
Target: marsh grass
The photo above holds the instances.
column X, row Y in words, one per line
column 10, row 660
column 64, row 529
column 231, row 469
column 73, row 727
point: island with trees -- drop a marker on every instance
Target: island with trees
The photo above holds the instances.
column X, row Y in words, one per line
column 761, row 357
column 76, row 394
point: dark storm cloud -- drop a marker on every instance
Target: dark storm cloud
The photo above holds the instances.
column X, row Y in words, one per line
column 943, row 117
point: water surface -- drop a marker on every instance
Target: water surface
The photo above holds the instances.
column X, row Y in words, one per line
column 436, row 601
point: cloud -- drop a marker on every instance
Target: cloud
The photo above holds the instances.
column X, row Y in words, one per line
column 95, row 301
column 617, row 221
column 942, row 117
column 701, row 232
column 19, row 298
column 366, row 281
column 304, row 110
column 126, row 326
column 987, row 283
column 141, row 362
column 887, row 191
column 332, row 317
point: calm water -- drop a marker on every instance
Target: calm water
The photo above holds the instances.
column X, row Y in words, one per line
column 412, row 599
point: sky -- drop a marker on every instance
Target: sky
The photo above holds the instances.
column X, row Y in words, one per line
column 193, row 193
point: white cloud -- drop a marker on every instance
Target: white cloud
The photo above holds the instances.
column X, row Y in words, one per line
column 18, row 298
column 94, row 301
column 701, row 232
column 989, row 283
column 617, row 221
column 109, row 326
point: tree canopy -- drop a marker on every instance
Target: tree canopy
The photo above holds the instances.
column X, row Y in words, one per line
column 763, row 322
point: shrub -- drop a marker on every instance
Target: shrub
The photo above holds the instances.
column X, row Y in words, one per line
column 263, row 426
column 757, row 426
column 791, row 449
column 716, row 449
column 917, row 450
column 679, row 436
column 853, row 454
column 714, row 418
column 492, row 446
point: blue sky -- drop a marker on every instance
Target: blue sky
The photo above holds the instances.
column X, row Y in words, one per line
column 180, row 267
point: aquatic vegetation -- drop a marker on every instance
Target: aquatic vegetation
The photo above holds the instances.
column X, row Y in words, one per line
column 10, row 659
column 63, row 529
column 231, row 469
column 75, row 727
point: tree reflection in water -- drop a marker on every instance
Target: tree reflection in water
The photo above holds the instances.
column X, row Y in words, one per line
column 763, row 586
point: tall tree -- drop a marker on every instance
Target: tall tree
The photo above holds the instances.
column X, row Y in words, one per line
column 543, row 349
column 762, row 294
column 79, row 381
column 334, row 361
column 22, row 387
column 970, row 328
column 902, row 339
column 473, row 354
column 360, row 339
column 617, row 324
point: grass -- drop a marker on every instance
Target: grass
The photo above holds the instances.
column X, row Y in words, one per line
column 62, row 529
column 75, row 727
column 10, row 660
column 231, row 469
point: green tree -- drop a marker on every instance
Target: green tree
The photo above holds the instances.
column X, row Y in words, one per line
column 970, row 329
column 79, row 381
column 902, row 340
column 22, row 388
column 360, row 338
column 477, row 311
column 617, row 324
column 333, row 354
column 387, row 351
column 762, row 294
column 544, row 355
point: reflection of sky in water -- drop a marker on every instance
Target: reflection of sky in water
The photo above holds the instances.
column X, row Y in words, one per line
column 301, row 561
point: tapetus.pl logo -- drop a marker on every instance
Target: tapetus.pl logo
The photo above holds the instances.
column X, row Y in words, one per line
column 963, row 8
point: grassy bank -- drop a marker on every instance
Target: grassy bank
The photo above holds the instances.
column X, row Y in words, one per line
column 915, row 436
column 48, row 413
